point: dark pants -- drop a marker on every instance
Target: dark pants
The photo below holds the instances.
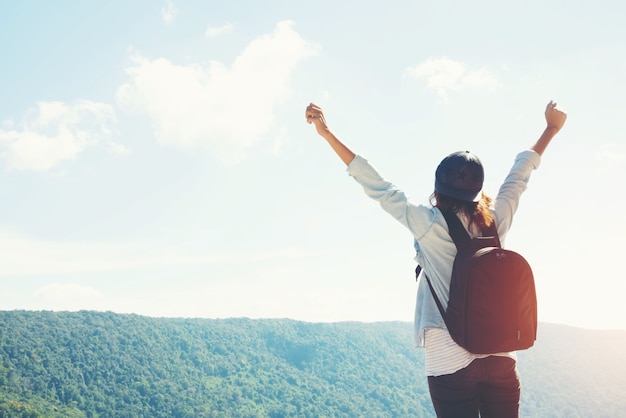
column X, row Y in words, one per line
column 490, row 386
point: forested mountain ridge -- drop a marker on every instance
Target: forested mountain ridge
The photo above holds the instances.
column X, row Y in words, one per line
column 104, row 364
column 91, row 364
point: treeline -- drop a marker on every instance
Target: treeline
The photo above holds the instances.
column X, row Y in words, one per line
column 90, row 364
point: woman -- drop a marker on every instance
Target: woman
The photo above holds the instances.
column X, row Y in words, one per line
column 461, row 384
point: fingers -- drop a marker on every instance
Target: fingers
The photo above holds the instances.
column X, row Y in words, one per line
column 313, row 112
column 313, row 109
column 555, row 117
column 552, row 106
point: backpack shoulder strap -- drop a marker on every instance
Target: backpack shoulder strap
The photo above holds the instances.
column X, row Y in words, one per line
column 492, row 231
column 438, row 302
column 419, row 270
column 456, row 229
column 460, row 236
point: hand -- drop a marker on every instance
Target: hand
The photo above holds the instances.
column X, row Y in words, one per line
column 315, row 115
column 555, row 117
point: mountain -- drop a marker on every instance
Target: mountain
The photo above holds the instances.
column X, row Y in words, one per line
column 93, row 364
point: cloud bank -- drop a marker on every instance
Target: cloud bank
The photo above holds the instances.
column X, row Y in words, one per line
column 54, row 132
column 224, row 108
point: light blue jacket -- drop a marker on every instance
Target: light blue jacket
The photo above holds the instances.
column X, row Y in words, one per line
column 435, row 250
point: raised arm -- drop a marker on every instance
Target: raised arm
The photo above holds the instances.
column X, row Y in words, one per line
column 555, row 119
column 315, row 115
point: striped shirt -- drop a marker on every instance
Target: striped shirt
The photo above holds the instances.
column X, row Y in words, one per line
column 444, row 356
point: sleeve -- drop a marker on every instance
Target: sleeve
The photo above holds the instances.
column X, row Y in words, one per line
column 515, row 183
column 417, row 218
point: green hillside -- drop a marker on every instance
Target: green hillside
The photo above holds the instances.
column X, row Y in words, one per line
column 90, row 364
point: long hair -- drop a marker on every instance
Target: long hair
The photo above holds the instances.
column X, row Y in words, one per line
column 477, row 213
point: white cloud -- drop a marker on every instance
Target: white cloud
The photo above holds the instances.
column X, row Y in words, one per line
column 55, row 132
column 445, row 75
column 224, row 108
column 169, row 12
column 212, row 32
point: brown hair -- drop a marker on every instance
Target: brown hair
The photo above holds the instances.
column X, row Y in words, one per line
column 478, row 213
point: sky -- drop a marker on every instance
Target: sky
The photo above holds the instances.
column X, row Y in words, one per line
column 155, row 158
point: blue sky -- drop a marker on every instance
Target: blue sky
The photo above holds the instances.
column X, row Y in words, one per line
column 154, row 155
